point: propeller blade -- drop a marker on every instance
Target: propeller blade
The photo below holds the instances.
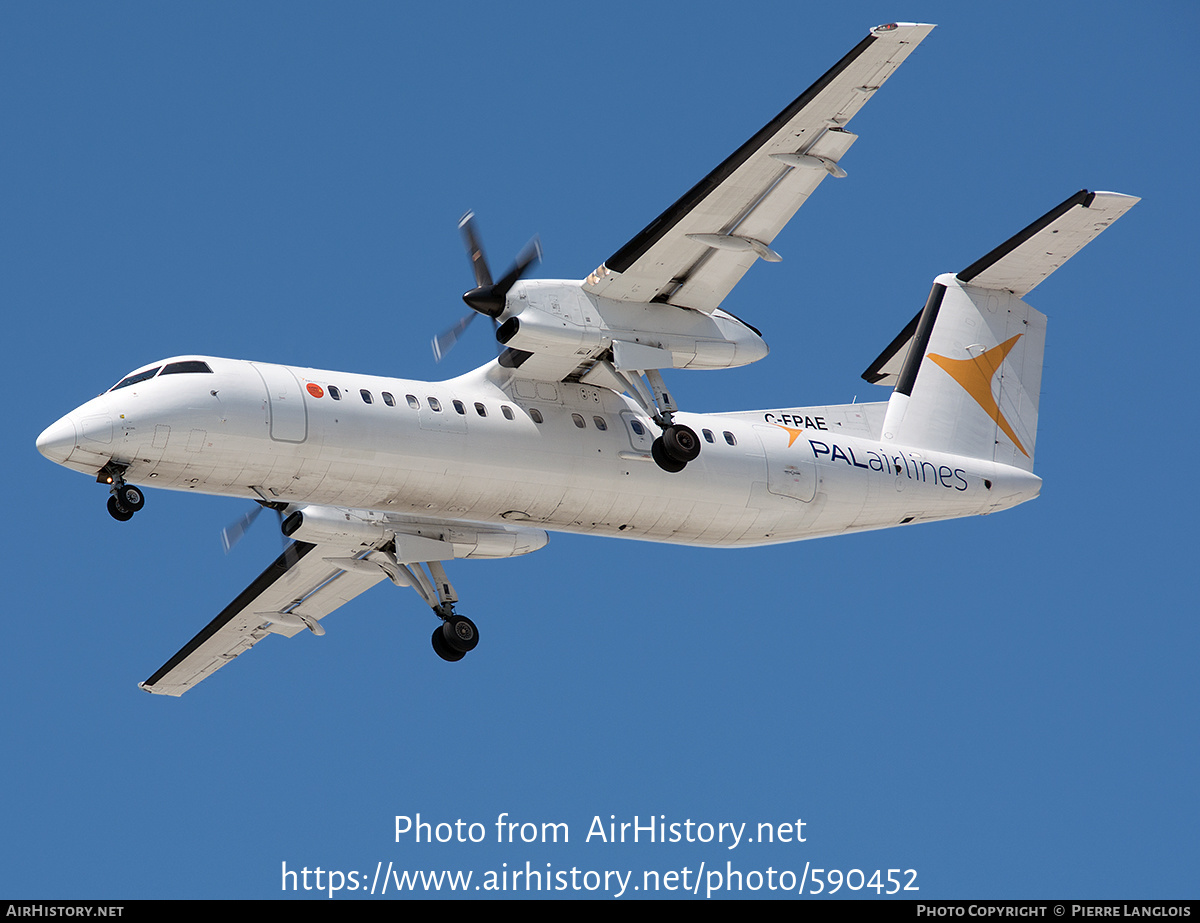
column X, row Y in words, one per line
column 531, row 253
column 232, row 533
column 444, row 341
column 283, row 538
column 483, row 276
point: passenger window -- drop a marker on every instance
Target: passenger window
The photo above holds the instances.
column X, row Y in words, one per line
column 578, row 421
column 480, row 409
column 535, row 415
column 459, row 408
column 729, row 438
column 507, row 411
column 434, row 404
column 636, row 426
column 366, row 395
column 388, row 399
column 708, row 436
column 412, row 402
column 600, row 424
column 335, row 393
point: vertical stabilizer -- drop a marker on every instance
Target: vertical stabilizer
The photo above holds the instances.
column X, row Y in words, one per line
column 973, row 389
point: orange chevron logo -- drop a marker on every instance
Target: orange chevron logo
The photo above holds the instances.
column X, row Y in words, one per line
column 976, row 374
column 792, row 432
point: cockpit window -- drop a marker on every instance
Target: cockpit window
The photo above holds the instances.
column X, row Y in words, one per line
column 135, row 378
column 188, row 365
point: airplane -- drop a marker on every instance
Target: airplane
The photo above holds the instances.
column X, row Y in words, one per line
column 572, row 427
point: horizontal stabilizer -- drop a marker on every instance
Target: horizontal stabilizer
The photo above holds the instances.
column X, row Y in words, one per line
column 886, row 369
column 1021, row 263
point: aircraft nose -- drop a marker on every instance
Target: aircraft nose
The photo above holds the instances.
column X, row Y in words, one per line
column 57, row 441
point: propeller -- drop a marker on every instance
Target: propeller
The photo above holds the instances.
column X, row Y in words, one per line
column 487, row 297
column 233, row 533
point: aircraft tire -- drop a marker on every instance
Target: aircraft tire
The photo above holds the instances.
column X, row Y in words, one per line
column 681, row 443
column 443, row 649
column 460, row 633
column 118, row 512
column 659, row 453
column 131, row 498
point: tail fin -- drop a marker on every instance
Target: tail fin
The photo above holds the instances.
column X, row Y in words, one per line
column 967, row 369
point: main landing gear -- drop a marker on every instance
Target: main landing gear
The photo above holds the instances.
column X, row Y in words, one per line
column 124, row 499
column 457, row 635
column 678, row 444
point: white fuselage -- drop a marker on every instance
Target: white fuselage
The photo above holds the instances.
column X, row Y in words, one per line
column 473, row 449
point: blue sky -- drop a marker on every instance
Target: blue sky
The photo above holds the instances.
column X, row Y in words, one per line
column 1007, row 705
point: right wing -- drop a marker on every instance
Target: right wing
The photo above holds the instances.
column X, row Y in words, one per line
column 694, row 253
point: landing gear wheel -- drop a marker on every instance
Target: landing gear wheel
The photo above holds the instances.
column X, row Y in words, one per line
column 131, row 498
column 118, row 512
column 460, row 633
column 442, row 648
column 659, row 453
column 681, row 443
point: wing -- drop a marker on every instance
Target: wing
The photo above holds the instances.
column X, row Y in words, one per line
column 300, row 588
column 694, row 253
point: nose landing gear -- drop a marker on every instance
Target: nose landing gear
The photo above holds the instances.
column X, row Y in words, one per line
column 124, row 499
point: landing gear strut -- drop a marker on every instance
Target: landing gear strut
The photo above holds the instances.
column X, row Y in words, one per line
column 457, row 635
column 678, row 444
column 124, row 499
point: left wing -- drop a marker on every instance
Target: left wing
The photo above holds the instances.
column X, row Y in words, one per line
column 337, row 554
column 299, row 589
column 694, row 253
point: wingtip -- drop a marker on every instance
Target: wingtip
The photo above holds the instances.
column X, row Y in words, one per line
column 1128, row 200
column 889, row 27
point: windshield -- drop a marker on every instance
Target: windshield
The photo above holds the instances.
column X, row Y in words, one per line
column 135, row 378
column 171, row 368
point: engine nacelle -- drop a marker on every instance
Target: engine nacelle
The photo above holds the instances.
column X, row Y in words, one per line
column 321, row 525
column 561, row 318
column 534, row 330
column 495, row 541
